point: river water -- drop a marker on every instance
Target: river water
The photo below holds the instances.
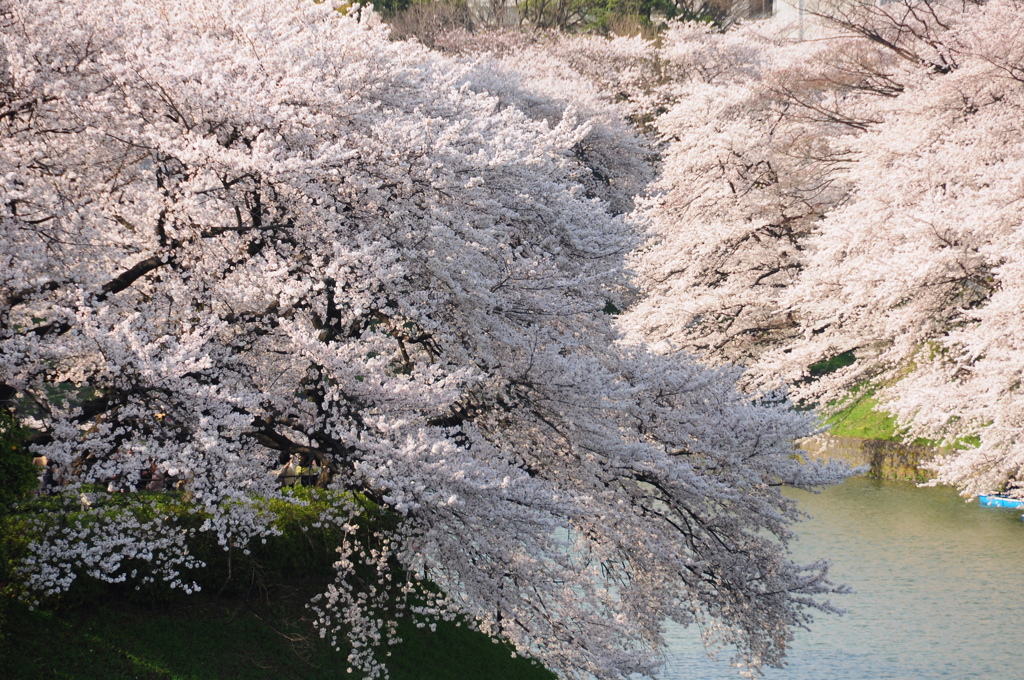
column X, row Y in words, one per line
column 939, row 590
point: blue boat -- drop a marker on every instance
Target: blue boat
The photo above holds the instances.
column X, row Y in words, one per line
column 1000, row 501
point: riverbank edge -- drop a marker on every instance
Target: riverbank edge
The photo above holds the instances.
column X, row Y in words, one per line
column 883, row 459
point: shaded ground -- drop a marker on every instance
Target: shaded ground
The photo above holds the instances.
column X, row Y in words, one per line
column 209, row 638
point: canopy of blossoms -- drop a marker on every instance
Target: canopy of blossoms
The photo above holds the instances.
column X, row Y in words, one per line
column 233, row 232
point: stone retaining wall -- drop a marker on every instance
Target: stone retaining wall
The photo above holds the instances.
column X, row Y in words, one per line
column 883, row 459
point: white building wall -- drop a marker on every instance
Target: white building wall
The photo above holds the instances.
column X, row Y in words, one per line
column 796, row 15
column 494, row 12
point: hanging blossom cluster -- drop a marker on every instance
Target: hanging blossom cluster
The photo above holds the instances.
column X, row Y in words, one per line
column 234, row 232
column 106, row 545
column 857, row 196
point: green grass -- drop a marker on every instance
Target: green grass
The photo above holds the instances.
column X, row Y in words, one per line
column 861, row 418
column 211, row 639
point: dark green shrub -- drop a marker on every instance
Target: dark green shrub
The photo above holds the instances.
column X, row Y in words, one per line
column 17, row 480
column 17, row 474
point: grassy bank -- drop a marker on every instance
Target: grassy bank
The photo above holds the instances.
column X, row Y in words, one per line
column 215, row 638
column 860, row 418
column 863, row 434
column 249, row 621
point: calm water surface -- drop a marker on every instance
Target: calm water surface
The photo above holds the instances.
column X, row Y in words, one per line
column 939, row 590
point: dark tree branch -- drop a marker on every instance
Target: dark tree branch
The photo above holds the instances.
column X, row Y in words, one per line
column 127, row 278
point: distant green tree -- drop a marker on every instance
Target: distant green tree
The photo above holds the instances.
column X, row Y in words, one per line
column 713, row 11
column 388, row 8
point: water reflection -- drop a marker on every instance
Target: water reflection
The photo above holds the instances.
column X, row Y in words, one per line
column 939, row 590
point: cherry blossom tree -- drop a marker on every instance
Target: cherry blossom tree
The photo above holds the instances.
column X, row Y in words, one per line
column 238, row 231
column 915, row 271
column 548, row 75
column 756, row 139
column 858, row 196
